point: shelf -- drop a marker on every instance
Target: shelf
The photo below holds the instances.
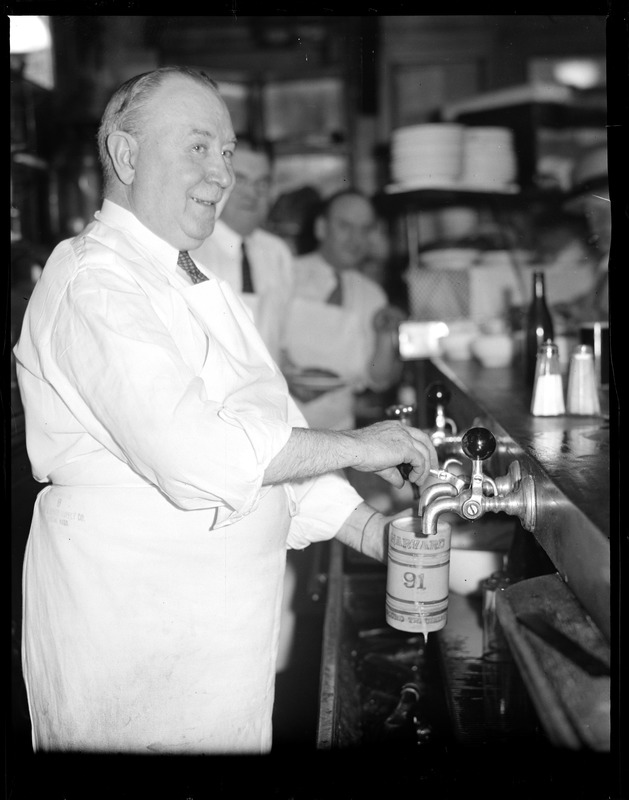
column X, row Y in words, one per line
column 456, row 188
column 564, row 102
column 436, row 197
column 29, row 160
column 426, row 198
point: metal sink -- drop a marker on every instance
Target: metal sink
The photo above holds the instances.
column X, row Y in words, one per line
column 366, row 664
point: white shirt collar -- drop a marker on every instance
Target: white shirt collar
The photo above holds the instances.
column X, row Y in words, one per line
column 118, row 217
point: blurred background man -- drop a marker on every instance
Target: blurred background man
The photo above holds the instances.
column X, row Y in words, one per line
column 590, row 197
column 342, row 333
column 257, row 264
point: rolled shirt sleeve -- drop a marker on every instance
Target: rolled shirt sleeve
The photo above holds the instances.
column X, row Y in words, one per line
column 323, row 503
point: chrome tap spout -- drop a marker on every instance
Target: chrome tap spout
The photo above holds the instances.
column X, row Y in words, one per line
column 519, row 503
column 434, row 491
column 436, row 508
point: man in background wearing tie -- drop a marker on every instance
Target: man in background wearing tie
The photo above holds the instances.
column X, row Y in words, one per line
column 340, row 320
column 257, row 264
column 179, row 469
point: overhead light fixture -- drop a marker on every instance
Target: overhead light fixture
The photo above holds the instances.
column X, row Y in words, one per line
column 580, row 73
column 28, row 34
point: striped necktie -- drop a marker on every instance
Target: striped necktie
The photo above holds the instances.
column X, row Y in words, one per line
column 247, row 280
column 187, row 265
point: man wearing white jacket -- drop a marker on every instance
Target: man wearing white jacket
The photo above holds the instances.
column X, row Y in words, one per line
column 178, row 467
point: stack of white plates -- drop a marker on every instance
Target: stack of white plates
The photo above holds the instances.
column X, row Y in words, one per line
column 427, row 155
column 489, row 160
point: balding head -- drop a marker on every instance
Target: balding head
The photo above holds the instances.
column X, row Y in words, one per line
column 168, row 142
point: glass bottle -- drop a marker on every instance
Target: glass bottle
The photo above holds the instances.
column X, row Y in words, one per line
column 548, row 399
column 539, row 325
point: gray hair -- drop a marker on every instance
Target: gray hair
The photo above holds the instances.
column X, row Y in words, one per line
column 125, row 109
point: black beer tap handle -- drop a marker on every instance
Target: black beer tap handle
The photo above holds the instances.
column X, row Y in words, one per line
column 437, row 394
column 478, row 444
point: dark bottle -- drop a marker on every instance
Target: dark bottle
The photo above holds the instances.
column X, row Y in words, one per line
column 539, row 325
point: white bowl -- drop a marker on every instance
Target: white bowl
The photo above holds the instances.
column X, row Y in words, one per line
column 458, row 221
column 457, row 346
column 468, row 568
column 493, row 349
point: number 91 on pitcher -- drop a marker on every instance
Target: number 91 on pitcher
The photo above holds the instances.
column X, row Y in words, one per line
column 418, row 571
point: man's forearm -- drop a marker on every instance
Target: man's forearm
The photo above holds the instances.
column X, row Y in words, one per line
column 365, row 530
column 377, row 448
column 309, row 453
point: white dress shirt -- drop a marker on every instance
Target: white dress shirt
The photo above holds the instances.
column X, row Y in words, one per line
column 271, row 269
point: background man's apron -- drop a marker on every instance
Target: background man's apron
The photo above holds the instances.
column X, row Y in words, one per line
column 328, row 337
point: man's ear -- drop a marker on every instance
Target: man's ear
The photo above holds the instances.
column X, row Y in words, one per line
column 123, row 148
column 320, row 228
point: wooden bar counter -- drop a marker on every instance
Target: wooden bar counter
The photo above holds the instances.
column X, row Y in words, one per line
column 569, row 458
column 539, row 702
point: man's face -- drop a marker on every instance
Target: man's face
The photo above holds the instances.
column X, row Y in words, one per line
column 345, row 233
column 182, row 171
column 598, row 216
column 248, row 205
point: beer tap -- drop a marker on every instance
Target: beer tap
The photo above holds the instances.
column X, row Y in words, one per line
column 514, row 493
column 438, row 396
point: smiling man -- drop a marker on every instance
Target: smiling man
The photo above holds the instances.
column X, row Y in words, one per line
column 168, row 162
column 179, row 470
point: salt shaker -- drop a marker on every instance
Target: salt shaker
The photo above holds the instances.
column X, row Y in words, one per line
column 548, row 400
column 582, row 395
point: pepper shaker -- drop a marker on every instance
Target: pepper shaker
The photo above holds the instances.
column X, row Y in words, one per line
column 582, row 395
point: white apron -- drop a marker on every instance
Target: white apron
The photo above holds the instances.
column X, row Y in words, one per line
column 146, row 631
column 328, row 337
column 265, row 313
column 252, row 302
